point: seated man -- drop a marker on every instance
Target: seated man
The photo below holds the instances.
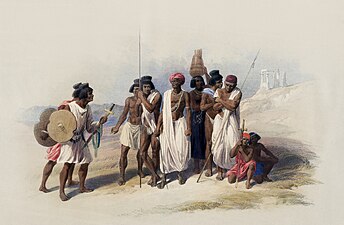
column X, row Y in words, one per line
column 245, row 165
column 264, row 164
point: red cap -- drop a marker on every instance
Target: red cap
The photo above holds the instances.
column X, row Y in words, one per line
column 231, row 79
column 246, row 135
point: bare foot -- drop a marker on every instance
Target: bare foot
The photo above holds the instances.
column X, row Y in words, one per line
column 155, row 181
column 63, row 197
column 72, row 183
column 219, row 176
column 208, row 173
column 248, row 184
column 181, row 179
column 43, row 189
column 266, row 178
column 150, row 181
column 85, row 190
column 197, row 171
column 121, row 181
column 162, row 184
column 141, row 174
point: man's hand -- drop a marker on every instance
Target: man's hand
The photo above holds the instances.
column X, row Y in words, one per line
column 240, row 149
column 217, row 106
column 140, row 94
column 205, row 70
column 103, row 119
column 156, row 132
column 218, row 100
column 114, row 130
column 187, row 132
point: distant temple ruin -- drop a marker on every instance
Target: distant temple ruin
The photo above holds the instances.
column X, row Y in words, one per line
column 272, row 79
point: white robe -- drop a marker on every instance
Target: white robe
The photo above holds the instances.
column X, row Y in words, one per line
column 175, row 146
column 226, row 133
column 148, row 118
column 73, row 151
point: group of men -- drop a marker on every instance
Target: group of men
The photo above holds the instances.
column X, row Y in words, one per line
column 203, row 124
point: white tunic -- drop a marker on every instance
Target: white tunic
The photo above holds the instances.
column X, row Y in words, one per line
column 226, row 133
column 73, row 151
column 175, row 146
column 148, row 118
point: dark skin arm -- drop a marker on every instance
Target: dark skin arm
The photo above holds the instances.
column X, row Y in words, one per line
column 247, row 155
column 207, row 76
column 188, row 114
column 235, row 149
column 150, row 106
column 231, row 105
column 158, row 126
column 204, row 106
column 272, row 157
column 122, row 118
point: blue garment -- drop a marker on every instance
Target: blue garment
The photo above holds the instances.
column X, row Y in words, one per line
column 198, row 135
column 259, row 169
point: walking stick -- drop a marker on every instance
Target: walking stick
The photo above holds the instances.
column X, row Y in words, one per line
column 237, row 176
column 252, row 66
column 206, row 162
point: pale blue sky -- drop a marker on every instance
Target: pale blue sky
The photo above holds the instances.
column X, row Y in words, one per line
column 46, row 46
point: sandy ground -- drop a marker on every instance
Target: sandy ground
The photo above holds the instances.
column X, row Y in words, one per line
column 287, row 119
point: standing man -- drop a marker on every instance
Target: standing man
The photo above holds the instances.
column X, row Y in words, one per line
column 53, row 152
column 175, row 130
column 226, row 124
column 130, row 136
column 151, row 102
column 197, row 122
column 75, row 150
column 264, row 163
column 207, row 104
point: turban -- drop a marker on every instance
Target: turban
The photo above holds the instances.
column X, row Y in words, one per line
column 178, row 76
column 246, row 135
column 231, row 79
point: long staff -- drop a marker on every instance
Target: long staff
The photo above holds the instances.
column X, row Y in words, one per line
column 238, row 172
column 140, row 88
column 252, row 66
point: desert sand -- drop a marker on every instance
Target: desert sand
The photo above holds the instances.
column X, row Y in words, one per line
column 286, row 118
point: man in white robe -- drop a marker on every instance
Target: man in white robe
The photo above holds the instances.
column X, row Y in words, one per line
column 175, row 130
column 226, row 128
column 151, row 102
column 76, row 150
column 207, row 104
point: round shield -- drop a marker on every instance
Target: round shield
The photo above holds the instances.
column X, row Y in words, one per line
column 40, row 129
column 61, row 126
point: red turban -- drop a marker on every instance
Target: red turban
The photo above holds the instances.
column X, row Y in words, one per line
column 178, row 76
column 246, row 135
column 231, row 79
